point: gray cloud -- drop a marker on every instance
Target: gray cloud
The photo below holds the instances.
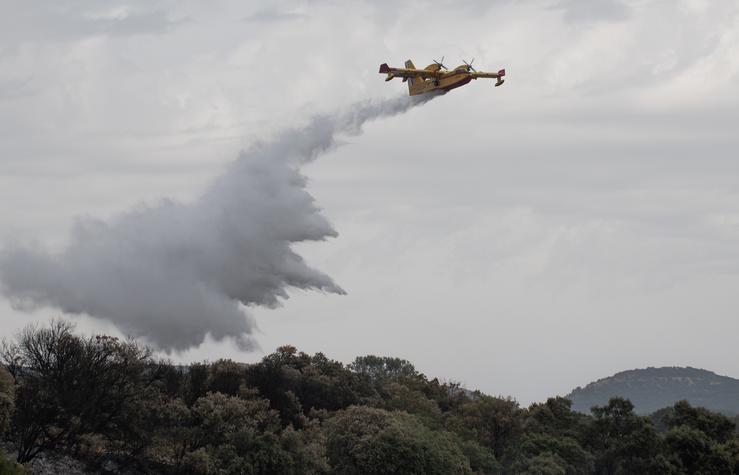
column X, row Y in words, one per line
column 14, row 88
column 174, row 272
column 576, row 11
column 566, row 217
column 271, row 15
column 75, row 20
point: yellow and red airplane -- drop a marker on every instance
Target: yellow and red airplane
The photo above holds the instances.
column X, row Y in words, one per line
column 432, row 78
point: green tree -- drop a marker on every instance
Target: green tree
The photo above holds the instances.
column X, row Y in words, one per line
column 380, row 369
column 7, row 399
column 231, row 435
column 716, row 426
column 173, row 427
column 493, row 422
column 482, row 460
column 398, row 397
column 545, row 463
column 704, row 441
column 697, row 452
column 363, row 440
column 196, row 382
column 731, row 449
column 8, row 467
column 226, row 377
column 569, row 455
column 625, row 443
column 72, row 386
column 296, row 383
column 553, row 435
column 555, row 417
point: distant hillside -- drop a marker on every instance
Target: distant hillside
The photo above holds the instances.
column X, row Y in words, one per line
column 654, row 388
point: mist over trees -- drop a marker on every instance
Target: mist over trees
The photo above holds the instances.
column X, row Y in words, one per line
column 111, row 403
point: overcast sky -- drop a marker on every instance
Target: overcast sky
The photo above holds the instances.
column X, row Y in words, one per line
column 580, row 220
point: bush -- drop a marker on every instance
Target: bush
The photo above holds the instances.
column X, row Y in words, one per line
column 70, row 386
column 108, row 403
column 7, row 399
column 363, row 440
column 10, row 468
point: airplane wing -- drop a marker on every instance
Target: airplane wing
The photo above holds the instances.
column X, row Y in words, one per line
column 407, row 73
column 499, row 76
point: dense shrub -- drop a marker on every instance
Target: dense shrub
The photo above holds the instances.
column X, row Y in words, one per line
column 72, row 386
column 109, row 403
column 7, row 399
column 364, row 440
column 8, row 467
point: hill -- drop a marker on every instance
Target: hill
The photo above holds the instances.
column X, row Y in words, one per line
column 651, row 389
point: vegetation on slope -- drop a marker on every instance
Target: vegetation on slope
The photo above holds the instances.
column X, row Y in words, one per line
column 110, row 403
column 652, row 389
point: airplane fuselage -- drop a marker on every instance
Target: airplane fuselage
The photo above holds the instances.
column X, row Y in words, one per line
column 448, row 81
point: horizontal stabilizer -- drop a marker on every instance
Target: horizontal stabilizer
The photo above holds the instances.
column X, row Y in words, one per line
column 500, row 80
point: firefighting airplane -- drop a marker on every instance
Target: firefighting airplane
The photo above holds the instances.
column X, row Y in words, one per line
column 432, row 78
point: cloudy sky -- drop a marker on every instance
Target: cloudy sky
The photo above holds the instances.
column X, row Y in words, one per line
column 581, row 220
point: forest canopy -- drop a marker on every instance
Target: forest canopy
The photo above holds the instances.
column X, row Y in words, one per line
column 108, row 402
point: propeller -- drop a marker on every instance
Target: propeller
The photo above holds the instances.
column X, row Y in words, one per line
column 469, row 65
column 441, row 63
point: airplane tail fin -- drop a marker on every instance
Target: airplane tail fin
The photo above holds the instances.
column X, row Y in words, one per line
column 415, row 85
column 385, row 69
column 500, row 80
